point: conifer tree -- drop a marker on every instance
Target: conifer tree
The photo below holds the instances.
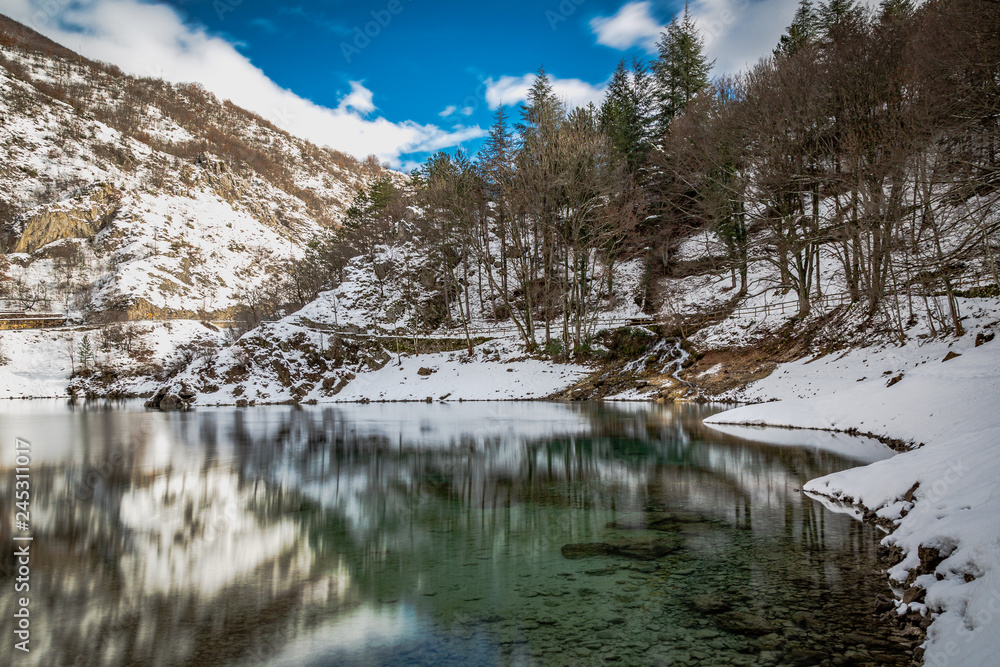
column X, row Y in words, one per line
column 542, row 114
column 86, row 353
column 895, row 9
column 833, row 13
column 681, row 68
column 371, row 219
column 496, row 156
column 625, row 114
column 801, row 32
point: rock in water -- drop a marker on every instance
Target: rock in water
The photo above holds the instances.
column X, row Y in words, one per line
column 156, row 399
column 642, row 548
column 708, row 603
column 743, row 623
column 585, row 550
column 646, row 548
column 164, row 399
column 663, row 521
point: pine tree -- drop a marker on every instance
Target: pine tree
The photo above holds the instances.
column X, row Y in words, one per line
column 833, row 13
column 895, row 9
column 543, row 111
column 496, row 156
column 369, row 221
column 625, row 114
column 801, row 32
column 86, row 353
column 681, row 68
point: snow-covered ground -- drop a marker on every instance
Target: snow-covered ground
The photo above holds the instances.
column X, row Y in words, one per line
column 37, row 363
column 942, row 495
column 453, row 375
column 288, row 361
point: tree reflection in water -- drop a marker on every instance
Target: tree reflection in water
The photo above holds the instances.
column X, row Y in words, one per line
column 413, row 533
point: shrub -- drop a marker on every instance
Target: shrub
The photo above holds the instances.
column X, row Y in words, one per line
column 625, row 343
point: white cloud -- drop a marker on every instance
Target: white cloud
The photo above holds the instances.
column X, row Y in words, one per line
column 632, row 25
column 448, row 110
column 468, row 111
column 736, row 32
column 510, row 90
column 739, row 32
column 151, row 39
column 359, row 99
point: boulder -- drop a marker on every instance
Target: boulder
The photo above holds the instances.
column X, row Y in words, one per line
column 165, row 399
column 171, row 402
column 156, row 399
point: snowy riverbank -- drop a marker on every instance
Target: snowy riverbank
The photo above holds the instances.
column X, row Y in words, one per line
column 943, row 496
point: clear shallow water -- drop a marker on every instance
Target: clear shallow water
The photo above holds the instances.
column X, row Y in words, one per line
column 463, row 534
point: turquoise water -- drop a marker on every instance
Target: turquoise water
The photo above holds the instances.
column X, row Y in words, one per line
column 444, row 534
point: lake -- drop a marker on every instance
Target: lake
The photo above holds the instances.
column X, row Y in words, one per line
column 435, row 534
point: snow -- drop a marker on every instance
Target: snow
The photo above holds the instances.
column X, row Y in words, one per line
column 453, row 376
column 38, row 360
column 38, row 365
column 948, row 411
column 861, row 449
column 498, row 370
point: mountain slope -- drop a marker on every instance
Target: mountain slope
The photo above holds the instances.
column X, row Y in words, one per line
column 132, row 193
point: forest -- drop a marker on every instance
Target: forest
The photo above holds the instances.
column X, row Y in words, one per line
column 869, row 139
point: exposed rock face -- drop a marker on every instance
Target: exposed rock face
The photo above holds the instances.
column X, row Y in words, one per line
column 81, row 217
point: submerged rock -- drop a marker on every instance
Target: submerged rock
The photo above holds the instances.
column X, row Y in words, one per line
column 708, row 603
column 585, row 550
column 743, row 623
column 663, row 521
column 645, row 548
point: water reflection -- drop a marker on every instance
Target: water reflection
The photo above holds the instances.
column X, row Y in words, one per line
column 430, row 534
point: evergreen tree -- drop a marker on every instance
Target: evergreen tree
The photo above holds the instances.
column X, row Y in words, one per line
column 542, row 114
column 496, row 156
column 681, row 68
column 801, row 32
column 86, row 353
column 833, row 13
column 625, row 114
column 895, row 9
column 371, row 219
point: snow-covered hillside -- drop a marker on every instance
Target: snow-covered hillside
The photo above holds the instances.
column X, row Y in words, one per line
column 134, row 194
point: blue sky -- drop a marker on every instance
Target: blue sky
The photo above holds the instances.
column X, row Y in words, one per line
column 426, row 76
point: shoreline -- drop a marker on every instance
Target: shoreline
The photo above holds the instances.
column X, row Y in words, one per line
column 938, row 499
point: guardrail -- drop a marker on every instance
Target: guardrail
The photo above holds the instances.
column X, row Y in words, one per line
column 12, row 321
column 22, row 315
